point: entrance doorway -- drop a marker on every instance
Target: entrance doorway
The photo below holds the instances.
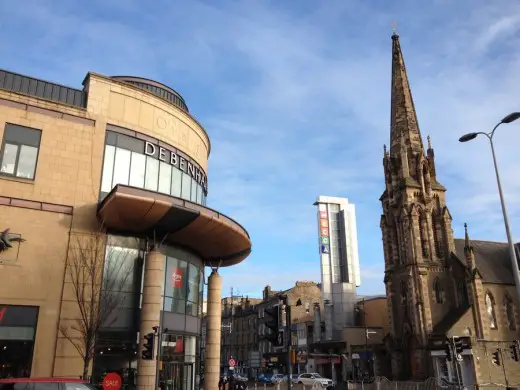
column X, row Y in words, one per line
column 177, row 376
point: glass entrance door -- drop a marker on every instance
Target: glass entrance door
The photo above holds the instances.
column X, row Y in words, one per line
column 177, row 376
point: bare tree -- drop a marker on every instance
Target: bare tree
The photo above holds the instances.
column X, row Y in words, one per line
column 98, row 274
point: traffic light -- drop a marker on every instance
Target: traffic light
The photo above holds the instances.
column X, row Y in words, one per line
column 459, row 346
column 495, row 358
column 515, row 353
column 449, row 356
column 148, row 347
column 293, row 357
column 273, row 323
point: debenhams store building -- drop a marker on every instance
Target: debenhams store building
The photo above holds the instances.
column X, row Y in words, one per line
column 116, row 170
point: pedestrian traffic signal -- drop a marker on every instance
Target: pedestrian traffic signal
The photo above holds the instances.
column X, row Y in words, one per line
column 447, row 350
column 272, row 322
column 293, row 357
column 495, row 358
column 459, row 346
column 148, row 347
column 515, row 353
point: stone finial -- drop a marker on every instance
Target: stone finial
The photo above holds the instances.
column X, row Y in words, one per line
column 429, row 142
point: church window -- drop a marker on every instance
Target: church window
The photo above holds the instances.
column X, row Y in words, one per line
column 422, row 234
column 510, row 313
column 439, row 292
column 490, row 308
column 404, row 293
column 463, row 292
column 436, row 241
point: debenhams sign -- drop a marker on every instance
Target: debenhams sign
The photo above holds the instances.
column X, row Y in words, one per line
column 178, row 162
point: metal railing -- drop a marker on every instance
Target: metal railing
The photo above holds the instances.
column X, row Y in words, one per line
column 31, row 86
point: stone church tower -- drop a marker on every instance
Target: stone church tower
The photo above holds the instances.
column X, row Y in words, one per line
column 417, row 235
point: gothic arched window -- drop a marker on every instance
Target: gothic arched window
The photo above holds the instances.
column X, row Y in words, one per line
column 439, row 292
column 423, row 234
column 436, row 241
column 404, row 293
column 463, row 292
column 490, row 308
column 509, row 309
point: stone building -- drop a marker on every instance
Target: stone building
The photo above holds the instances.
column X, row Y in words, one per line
column 239, row 331
column 303, row 298
column 438, row 286
column 115, row 175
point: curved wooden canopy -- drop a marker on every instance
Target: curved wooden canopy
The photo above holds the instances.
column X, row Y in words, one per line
column 217, row 239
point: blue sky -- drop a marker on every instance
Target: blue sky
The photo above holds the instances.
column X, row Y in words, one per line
column 295, row 97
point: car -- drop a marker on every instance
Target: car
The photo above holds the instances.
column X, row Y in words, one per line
column 310, row 379
column 45, row 384
column 278, row 378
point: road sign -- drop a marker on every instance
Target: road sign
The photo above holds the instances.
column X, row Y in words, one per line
column 232, row 362
column 112, row 381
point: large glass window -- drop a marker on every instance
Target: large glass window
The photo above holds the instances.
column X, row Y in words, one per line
column 165, row 177
column 176, row 286
column 186, row 187
column 126, row 163
column 137, row 170
column 183, row 289
column 152, row 173
column 20, row 151
column 192, row 305
column 121, row 167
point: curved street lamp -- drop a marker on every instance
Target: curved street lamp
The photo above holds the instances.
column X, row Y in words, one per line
column 512, row 253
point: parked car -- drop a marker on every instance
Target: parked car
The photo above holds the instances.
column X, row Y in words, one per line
column 278, row 378
column 312, row 378
column 45, row 384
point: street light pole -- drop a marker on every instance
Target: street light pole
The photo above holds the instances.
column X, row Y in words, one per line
column 512, row 253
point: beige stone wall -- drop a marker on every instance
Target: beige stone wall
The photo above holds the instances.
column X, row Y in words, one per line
column 68, row 174
column 32, row 273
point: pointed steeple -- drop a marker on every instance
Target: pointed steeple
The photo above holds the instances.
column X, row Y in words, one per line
column 404, row 128
column 469, row 252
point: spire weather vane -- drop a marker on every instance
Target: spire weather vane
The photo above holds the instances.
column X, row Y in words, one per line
column 394, row 27
column 6, row 240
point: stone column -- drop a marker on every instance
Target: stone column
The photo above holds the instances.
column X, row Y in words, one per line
column 213, row 329
column 153, row 289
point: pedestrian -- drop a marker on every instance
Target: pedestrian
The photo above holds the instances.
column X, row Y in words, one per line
column 221, row 383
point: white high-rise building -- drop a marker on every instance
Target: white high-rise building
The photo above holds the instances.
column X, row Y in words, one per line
column 340, row 273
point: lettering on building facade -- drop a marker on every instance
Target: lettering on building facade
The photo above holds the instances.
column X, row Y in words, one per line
column 177, row 161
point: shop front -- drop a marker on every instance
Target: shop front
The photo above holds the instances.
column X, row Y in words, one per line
column 17, row 333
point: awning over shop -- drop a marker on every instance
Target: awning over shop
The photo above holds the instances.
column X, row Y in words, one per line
column 218, row 239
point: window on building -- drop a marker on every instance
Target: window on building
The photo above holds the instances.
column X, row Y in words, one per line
column 490, row 308
column 423, row 234
column 404, row 293
column 125, row 163
column 509, row 309
column 19, row 153
column 436, row 241
column 463, row 292
column 439, row 292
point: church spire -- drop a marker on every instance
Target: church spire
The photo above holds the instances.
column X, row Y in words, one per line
column 404, row 128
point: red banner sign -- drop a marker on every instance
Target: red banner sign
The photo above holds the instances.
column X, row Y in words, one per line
column 177, row 275
column 2, row 313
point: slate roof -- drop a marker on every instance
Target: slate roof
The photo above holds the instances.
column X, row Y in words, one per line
column 492, row 259
column 450, row 319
